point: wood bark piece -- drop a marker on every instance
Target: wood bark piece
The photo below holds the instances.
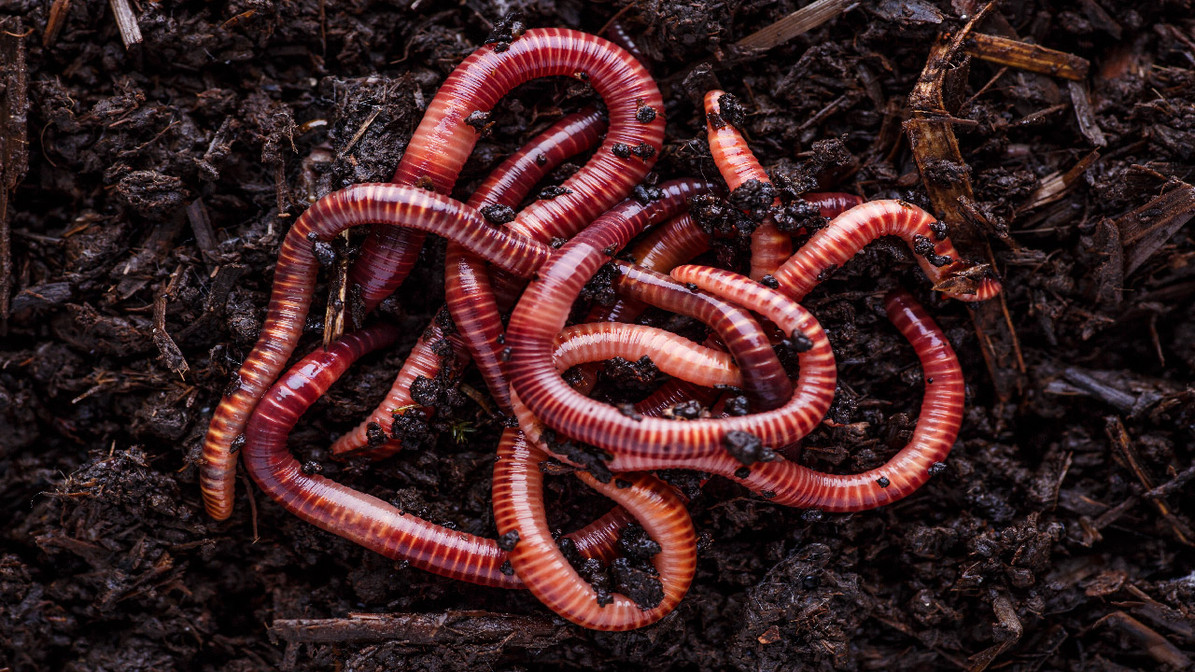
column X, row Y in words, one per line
column 450, row 627
column 1119, row 437
column 58, row 13
column 1025, row 56
column 801, row 21
column 14, row 145
column 126, row 21
column 1157, row 646
column 947, row 179
column 1145, row 230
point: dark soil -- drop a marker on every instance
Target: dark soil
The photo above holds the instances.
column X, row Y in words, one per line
column 160, row 181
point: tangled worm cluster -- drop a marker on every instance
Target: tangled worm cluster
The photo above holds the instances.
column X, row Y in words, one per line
column 560, row 244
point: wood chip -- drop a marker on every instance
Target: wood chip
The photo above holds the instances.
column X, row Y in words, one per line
column 14, row 144
column 1054, row 186
column 1145, row 230
column 947, row 179
column 1025, row 56
column 126, row 21
column 172, row 355
column 453, row 627
column 1006, row 619
column 1081, row 102
column 58, row 12
column 1124, row 447
column 801, row 21
column 1154, row 644
column 201, row 226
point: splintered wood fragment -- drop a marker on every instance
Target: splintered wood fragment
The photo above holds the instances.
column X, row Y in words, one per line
column 201, row 226
column 455, row 627
column 1157, row 646
column 334, row 312
column 126, row 21
column 1173, row 485
column 1055, row 185
column 1007, row 620
column 1145, row 230
column 172, row 355
column 1119, row 436
column 58, row 11
column 1157, row 613
column 14, row 145
column 1086, row 118
column 1025, row 56
column 801, row 21
column 947, row 179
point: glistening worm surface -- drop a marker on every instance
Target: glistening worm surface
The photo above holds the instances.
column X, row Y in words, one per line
column 728, row 404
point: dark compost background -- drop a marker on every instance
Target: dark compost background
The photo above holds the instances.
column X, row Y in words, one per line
column 160, row 179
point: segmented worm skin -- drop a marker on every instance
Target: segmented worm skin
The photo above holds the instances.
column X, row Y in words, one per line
column 619, row 35
column 443, row 140
column 769, row 246
column 290, row 298
column 764, row 378
column 676, row 241
column 364, row 519
column 518, row 506
column 469, row 292
column 422, row 361
column 831, row 204
column 470, row 299
column 673, row 355
column 666, row 246
column 851, row 231
column 790, row 484
column 643, row 443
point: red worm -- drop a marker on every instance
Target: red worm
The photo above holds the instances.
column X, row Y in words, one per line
column 676, row 242
column 937, row 425
column 468, row 290
column 851, row 231
column 619, row 35
column 764, row 378
column 769, row 246
column 469, row 297
column 422, row 362
column 361, row 518
column 672, row 243
column 444, row 139
column 294, row 279
column 831, row 204
column 673, row 355
column 518, row 507
column 645, row 443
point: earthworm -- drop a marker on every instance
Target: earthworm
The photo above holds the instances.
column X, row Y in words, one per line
column 426, row 359
column 364, row 519
column 784, row 482
column 676, row 241
column 619, row 35
column 787, row 483
column 673, row 355
column 643, row 443
column 769, row 246
column 851, row 231
column 444, row 139
column 764, row 378
column 518, row 508
column 469, row 292
column 469, row 297
column 831, row 204
column 290, row 298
